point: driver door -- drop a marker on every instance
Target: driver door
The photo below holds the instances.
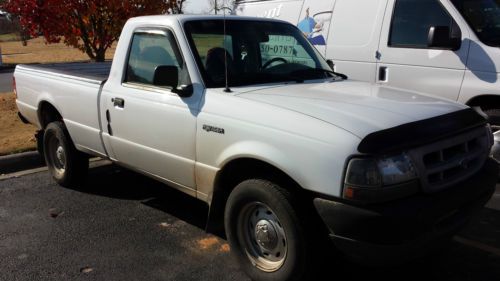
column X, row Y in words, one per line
column 152, row 129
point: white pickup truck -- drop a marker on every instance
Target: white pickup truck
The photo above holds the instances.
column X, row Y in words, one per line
column 284, row 152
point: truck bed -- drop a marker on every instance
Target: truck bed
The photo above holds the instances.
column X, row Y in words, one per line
column 73, row 89
column 94, row 71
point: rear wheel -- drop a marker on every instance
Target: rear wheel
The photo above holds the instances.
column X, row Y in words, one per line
column 39, row 145
column 66, row 164
column 266, row 233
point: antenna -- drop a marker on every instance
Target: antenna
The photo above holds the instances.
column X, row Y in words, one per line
column 227, row 90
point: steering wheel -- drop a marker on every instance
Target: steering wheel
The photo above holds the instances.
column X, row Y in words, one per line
column 268, row 63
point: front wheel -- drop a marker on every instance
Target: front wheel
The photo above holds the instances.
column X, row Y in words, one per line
column 66, row 164
column 265, row 233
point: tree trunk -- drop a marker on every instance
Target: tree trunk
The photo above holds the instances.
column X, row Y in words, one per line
column 100, row 55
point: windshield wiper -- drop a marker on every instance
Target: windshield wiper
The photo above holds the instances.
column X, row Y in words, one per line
column 320, row 70
column 281, row 78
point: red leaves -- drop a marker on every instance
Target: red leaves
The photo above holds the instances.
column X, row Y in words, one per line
column 89, row 25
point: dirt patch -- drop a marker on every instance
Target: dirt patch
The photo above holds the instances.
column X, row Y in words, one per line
column 15, row 136
column 211, row 243
column 37, row 51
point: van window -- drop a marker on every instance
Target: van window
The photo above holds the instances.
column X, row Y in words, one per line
column 413, row 18
column 150, row 50
column 483, row 17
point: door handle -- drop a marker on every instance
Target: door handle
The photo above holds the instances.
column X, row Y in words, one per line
column 383, row 74
column 118, row 102
column 108, row 118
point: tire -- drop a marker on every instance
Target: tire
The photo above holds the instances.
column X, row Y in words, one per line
column 39, row 145
column 67, row 165
column 255, row 206
column 494, row 118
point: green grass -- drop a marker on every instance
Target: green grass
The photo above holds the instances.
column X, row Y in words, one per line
column 9, row 37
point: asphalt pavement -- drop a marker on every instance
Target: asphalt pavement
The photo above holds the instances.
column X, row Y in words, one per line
column 123, row 226
column 6, row 80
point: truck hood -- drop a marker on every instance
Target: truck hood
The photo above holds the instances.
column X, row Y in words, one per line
column 358, row 107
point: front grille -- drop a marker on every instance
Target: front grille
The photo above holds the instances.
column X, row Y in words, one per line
column 452, row 160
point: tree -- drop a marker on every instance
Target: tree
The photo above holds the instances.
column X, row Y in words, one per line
column 176, row 6
column 89, row 25
column 218, row 6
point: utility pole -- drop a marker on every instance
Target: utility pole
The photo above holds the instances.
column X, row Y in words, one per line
column 216, row 7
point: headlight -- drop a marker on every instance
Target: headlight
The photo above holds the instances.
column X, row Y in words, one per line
column 376, row 174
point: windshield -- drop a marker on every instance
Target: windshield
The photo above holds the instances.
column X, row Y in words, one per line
column 484, row 18
column 255, row 52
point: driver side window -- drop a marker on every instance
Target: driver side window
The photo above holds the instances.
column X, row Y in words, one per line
column 150, row 50
column 412, row 20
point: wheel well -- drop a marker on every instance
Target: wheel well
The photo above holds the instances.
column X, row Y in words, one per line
column 485, row 102
column 47, row 113
column 231, row 175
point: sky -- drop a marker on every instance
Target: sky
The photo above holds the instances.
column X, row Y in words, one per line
column 196, row 6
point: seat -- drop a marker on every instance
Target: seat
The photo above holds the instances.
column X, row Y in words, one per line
column 215, row 64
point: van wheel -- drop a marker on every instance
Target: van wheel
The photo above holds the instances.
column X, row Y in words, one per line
column 67, row 165
column 265, row 233
column 494, row 118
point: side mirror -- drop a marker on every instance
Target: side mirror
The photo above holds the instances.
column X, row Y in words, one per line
column 440, row 37
column 331, row 64
column 166, row 76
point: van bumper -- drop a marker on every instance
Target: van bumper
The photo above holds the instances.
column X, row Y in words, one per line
column 408, row 228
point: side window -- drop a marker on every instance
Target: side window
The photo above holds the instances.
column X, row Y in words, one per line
column 284, row 47
column 150, row 50
column 413, row 18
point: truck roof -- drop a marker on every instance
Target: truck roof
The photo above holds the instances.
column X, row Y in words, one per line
column 183, row 18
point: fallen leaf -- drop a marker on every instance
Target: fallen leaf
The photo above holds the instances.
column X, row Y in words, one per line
column 86, row 270
column 164, row 224
column 224, row 248
column 207, row 243
column 54, row 213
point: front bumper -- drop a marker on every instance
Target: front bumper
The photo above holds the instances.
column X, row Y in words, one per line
column 407, row 228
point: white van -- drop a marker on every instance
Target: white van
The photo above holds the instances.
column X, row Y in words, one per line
column 448, row 48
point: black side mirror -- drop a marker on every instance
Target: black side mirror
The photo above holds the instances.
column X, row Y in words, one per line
column 440, row 37
column 166, row 76
column 331, row 64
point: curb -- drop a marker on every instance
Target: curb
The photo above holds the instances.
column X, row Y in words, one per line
column 7, row 68
column 19, row 162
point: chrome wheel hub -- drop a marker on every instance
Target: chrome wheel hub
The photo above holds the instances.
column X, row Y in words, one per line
column 262, row 237
column 266, row 235
column 57, row 155
column 61, row 157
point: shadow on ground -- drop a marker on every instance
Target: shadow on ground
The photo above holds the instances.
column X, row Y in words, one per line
column 458, row 262
column 118, row 183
